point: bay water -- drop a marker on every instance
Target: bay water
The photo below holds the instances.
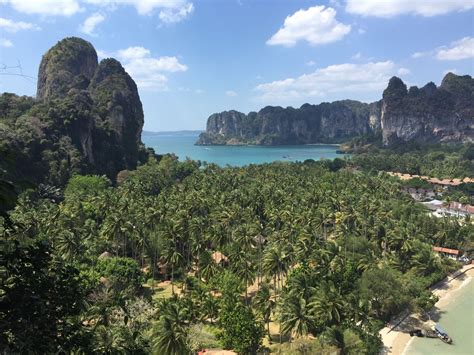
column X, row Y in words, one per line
column 457, row 318
column 182, row 144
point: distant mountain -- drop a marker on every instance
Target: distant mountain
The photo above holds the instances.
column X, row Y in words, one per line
column 429, row 114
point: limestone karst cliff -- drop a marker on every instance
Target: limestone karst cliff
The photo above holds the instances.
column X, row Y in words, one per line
column 87, row 118
column 430, row 114
column 71, row 63
column 323, row 123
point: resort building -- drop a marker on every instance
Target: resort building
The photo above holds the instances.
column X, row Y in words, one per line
column 437, row 183
column 420, row 194
column 453, row 209
column 446, row 252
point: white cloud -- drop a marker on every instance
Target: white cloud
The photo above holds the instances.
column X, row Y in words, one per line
column 103, row 54
column 5, row 43
column 457, row 50
column 173, row 15
column 148, row 72
column 310, row 63
column 390, row 8
column 171, row 11
column 403, row 71
column 90, row 23
column 461, row 49
column 316, row 25
column 333, row 82
column 420, row 54
column 12, row 26
column 231, row 93
column 133, row 53
column 46, row 7
column 358, row 55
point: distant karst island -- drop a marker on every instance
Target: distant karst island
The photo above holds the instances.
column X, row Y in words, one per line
column 429, row 114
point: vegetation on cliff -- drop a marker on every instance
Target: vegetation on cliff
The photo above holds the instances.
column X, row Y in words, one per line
column 86, row 118
column 324, row 123
column 442, row 161
column 429, row 114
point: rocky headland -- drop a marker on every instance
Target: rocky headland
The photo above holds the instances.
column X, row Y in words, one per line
column 428, row 115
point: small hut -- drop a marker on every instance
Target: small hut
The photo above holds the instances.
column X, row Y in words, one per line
column 105, row 255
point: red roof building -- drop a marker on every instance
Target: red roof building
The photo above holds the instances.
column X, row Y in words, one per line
column 446, row 250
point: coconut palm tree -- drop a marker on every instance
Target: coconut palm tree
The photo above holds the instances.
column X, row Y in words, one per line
column 264, row 304
column 172, row 330
column 327, row 305
column 296, row 315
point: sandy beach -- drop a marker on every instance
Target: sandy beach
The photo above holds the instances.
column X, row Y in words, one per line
column 395, row 336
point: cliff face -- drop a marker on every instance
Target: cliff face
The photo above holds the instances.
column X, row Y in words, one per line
column 429, row 114
column 116, row 98
column 87, row 118
column 324, row 123
column 71, row 63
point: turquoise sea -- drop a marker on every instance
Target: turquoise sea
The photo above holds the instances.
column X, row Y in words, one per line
column 182, row 144
column 458, row 320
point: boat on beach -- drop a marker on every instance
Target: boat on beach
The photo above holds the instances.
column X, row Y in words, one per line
column 442, row 334
column 435, row 332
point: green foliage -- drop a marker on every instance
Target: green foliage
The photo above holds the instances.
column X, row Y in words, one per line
column 417, row 183
column 122, row 273
column 40, row 299
column 13, row 106
column 171, row 332
column 441, row 161
column 231, row 288
column 80, row 187
column 240, row 330
column 153, row 177
column 384, row 288
column 326, row 249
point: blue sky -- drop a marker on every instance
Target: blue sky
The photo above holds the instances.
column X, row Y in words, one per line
column 192, row 58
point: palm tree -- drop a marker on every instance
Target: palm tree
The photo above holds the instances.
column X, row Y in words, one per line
column 172, row 330
column 264, row 304
column 70, row 245
column 274, row 263
column 425, row 262
column 296, row 316
column 112, row 231
column 207, row 267
column 327, row 305
column 345, row 339
column 243, row 268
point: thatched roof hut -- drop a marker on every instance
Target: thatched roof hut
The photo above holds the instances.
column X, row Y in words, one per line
column 105, row 255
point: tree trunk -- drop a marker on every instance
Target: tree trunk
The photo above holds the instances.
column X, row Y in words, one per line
column 172, row 279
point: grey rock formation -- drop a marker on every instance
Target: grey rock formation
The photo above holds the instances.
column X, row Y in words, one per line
column 430, row 114
column 69, row 64
column 427, row 115
column 115, row 96
column 87, row 117
column 324, row 123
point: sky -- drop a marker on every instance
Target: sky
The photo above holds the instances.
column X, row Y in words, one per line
column 192, row 58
